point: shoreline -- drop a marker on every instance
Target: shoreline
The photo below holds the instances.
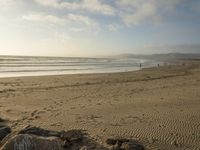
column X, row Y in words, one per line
column 164, row 63
column 81, row 74
column 152, row 105
column 18, row 67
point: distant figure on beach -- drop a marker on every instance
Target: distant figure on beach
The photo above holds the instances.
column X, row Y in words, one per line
column 140, row 65
column 158, row 65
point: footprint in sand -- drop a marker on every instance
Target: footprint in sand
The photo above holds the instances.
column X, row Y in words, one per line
column 56, row 124
column 99, row 103
column 83, row 106
column 72, row 107
column 57, row 103
column 55, row 114
column 115, row 124
column 36, row 114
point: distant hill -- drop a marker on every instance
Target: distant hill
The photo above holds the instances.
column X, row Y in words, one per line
column 163, row 56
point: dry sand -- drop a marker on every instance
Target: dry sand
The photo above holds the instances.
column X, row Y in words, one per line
column 160, row 107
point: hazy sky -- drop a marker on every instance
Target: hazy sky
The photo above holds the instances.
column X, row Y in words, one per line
column 98, row 27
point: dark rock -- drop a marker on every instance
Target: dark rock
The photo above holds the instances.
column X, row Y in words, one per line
column 34, row 138
column 124, row 144
column 111, row 141
column 131, row 146
column 116, row 147
column 69, row 138
column 39, row 132
column 4, row 129
column 1, row 120
column 66, row 144
column 83, row 148
column 114, row 141
column 74, row 136
column 32, row 142
column 121, row 141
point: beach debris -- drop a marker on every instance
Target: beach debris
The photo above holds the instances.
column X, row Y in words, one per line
column 124, row 144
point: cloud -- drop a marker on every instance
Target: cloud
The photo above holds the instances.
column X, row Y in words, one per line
column 70, row 18
column 10, row 5
column 146, row 12
column 113, row 27
column 130, row 12
column 7, row 4
column 44, row 18
column 82, row 19
column 95, row 6
column 62, row 37
column 140, row 11
column 77, row 29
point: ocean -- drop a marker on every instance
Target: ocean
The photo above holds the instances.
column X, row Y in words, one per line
column 15, row 66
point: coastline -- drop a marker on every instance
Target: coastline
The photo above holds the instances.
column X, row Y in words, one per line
column 171, row 63
column 156, row 106
column 41, row 66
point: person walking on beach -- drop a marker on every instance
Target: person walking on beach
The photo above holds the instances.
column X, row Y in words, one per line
column 140, row 65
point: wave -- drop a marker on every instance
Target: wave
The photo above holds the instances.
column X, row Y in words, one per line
column 25, row 66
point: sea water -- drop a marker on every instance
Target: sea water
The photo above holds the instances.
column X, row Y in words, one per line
column 14, row 66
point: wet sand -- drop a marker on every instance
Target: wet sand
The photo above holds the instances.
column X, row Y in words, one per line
column 160, row 107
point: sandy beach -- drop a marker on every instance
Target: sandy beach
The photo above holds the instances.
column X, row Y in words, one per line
column 160, row 107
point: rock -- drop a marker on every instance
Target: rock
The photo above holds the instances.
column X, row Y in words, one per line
column 39, row 132
column 74, row 136
column 69, row 138
column 83, row 148
column 116, row 147
column 4, row 129
column 124, row 144
column 121, row 141
column 66, row 144
column 110, row 141
column 114, row 141
column 32, row 142
column 34, row 138
column 131, row 146
column 1, row 120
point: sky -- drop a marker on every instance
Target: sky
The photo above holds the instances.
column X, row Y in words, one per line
column 98, row 27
